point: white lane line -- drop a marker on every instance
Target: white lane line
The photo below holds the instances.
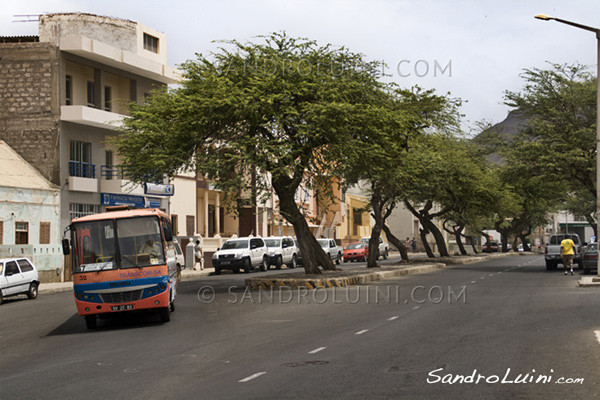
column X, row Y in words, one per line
column 361, row 332
column 317, row 350
column 597, row 335
column 256, row 375
column 416, row 307
column 393, row 318
column 473, row 281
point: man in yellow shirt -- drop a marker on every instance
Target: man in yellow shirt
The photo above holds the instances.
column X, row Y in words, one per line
column 567, row 252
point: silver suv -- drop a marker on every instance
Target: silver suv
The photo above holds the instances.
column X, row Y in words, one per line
column 244, row 252
column 18, row 276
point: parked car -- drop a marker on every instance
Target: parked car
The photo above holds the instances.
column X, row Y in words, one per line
column 18, row 276
column 334, row 251
column 491, row 247
column 356, row 252
column 180, row 259
column 282, row 250
column 383, row 250
column 589, row 258
column 244, row 252
column 299, row 255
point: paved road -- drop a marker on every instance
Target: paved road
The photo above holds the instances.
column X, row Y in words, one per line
column 505, row 319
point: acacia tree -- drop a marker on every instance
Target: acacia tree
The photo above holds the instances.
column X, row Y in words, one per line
column 281, row 111
column 559, row 135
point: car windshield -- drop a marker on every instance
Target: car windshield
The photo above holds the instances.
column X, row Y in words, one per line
column 355, row 246
column 138, row 241
column 323, row 242
column 235, row 244
column 273, row 242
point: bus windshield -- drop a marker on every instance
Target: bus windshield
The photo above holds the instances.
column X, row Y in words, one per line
column 115, row 244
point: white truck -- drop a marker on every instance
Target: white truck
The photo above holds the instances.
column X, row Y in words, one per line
column 383, row 248
column 334, row 251
column 553, row 257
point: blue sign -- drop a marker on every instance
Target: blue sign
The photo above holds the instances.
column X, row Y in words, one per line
column 159, row 190
column 111, row 199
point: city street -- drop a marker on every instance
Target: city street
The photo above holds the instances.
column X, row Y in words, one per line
column 499, row 329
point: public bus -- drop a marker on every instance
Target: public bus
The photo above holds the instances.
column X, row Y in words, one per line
column 123, row 260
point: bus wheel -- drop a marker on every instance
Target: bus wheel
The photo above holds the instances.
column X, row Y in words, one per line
column 165, row 314
column 90, row 321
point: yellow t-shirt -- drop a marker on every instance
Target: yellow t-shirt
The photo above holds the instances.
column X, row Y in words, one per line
column 567, row 247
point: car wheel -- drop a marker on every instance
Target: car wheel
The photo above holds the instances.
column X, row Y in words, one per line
column 217, row 271
column 294, row 263
column 1, row 297
column 33, row 290
column 385, row 255
column 165, row 314
column 247, row 265
column 90, row 321
column 585, row 272
column 551, row 266
column 265, row 264
column 338, row 261
column 278, row 263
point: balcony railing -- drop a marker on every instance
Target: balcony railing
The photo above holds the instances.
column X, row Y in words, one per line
column 82, row 170
column 109, row 172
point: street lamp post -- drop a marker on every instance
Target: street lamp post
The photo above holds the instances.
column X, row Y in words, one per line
column 597, row 32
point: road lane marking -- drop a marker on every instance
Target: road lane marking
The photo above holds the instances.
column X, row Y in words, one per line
column 393, row 318
column 416, row 307
column 473, row 281
column 361, row 332
column 256, row 375
column 597, row 335
column 317, row 350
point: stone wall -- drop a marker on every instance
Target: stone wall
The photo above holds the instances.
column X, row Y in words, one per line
column 30, row 104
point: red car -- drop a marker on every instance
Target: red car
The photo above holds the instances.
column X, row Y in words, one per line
column 356, row 251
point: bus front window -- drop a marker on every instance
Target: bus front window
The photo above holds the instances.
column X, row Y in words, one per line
column 94, row 246
column 140, row 242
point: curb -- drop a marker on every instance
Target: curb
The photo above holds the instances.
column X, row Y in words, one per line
column 589, row 281
column 346, row 279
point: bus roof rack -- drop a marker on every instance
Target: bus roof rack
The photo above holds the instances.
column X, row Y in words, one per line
column 117, row 208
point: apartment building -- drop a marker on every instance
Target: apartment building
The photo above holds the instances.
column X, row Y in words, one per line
column 63, row 95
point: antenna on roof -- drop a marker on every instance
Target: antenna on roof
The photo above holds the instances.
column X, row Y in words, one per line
column 26, row 18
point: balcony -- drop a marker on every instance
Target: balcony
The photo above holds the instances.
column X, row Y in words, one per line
column 85, row 115
column 82, row 177
column 114, row 180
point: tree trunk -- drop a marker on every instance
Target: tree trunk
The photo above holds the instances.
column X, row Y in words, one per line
column 396, row 242
column 470, row 238
column 377, row 213
column 423, row 232
column 313, row 254
column 426, row 222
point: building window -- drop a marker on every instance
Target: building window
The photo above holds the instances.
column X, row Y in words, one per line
column 22, row 233
column 80, row 160
column 69, row 90
column 107, row 98
column 81, row 210
column 175, row 225
column 189, row 225
column 44, row 232
column 150, row 43
column 91, row 102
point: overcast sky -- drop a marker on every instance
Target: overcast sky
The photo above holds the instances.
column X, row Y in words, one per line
column 480, row 47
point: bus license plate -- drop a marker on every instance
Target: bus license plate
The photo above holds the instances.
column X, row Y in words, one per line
column 122, row 308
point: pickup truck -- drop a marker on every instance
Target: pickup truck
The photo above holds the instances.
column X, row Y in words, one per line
column 330, row 247
column 553, row 257
column 383, row 248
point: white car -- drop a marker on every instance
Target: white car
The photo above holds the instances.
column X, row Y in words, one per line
column 331, row 248
column 244, row 252
column 180, row 259
column 282, row 250
column 18, row 276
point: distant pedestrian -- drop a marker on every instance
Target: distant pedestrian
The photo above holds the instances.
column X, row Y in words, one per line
column 413, row 244
column 567, row 252
column 407, row 243
column 198, row 257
